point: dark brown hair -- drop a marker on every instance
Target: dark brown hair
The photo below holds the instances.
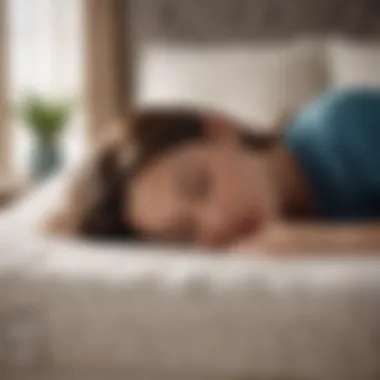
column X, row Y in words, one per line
column 151, row 133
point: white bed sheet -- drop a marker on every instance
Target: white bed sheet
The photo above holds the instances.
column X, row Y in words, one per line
column 143, row 310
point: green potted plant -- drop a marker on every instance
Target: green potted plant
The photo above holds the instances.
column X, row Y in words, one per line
column 46, row 120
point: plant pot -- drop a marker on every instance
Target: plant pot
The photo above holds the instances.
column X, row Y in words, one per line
column 45, row 158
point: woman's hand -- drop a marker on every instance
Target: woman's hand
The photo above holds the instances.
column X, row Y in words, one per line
column 289, row 240
column 273, row 240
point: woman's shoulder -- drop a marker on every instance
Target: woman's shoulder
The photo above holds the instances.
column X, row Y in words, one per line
column 349, row 102
column 336, row 140
column 340, row 111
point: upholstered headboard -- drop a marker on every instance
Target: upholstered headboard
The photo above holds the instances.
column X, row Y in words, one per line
column 244, row 56
column 214, row 21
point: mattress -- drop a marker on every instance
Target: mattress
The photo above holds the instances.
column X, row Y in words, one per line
column 74, row 310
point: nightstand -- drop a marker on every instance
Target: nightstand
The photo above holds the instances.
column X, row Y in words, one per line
column 10, row 192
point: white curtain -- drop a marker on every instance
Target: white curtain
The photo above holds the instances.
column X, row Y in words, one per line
column 46, row 59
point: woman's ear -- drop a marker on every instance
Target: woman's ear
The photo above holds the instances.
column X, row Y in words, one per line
column 221, row 128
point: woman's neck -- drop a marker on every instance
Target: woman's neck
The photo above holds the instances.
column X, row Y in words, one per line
column 295, row 195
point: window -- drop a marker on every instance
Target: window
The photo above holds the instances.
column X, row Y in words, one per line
column 46, row 51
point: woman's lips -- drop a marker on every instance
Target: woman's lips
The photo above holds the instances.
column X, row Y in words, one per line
column 247, row 225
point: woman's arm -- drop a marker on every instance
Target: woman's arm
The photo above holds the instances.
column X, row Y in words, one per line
column 314, row 239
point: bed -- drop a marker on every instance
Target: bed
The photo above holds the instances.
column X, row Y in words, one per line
column 70, row 309
column 74, row 310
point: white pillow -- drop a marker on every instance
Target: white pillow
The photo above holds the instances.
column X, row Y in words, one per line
column 256, row 82
column 354, row 63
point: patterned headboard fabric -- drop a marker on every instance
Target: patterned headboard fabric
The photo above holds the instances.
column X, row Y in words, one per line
column 231, row 21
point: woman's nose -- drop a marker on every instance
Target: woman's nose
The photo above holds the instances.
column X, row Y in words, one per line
column 216, row 231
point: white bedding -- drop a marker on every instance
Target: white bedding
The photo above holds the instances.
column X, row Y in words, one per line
column 72, row 308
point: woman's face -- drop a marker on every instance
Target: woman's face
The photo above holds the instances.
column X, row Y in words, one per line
column 204, row 193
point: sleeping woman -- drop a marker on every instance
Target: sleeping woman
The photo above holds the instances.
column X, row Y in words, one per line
column 197, row 178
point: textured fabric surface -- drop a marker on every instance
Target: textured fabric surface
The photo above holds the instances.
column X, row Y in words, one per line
column 70, row 307
column 210, row 21
column 86, row 309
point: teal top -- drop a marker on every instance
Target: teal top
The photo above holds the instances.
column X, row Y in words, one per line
column 336, row 142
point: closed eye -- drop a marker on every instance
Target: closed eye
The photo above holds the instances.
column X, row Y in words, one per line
column 196, row 184
column 201, row 186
